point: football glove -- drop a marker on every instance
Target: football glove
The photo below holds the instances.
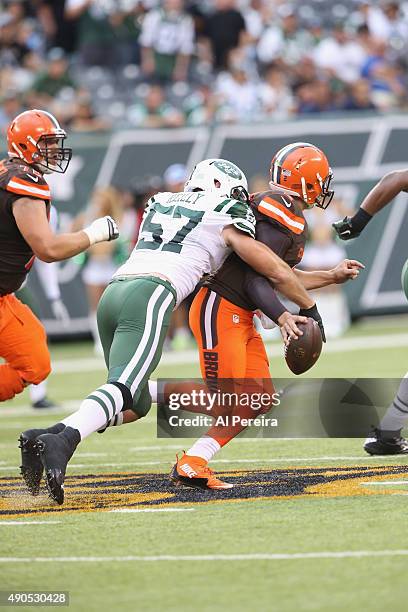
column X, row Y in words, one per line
column 313, row 313
column 351, row 227
column 102, row 229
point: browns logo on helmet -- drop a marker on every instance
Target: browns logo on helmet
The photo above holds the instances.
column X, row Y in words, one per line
column 303, row 168
column 36, row 137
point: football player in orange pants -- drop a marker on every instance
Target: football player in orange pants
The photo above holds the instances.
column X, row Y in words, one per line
column 23, row 345
column 221, row 316
column 35, row 148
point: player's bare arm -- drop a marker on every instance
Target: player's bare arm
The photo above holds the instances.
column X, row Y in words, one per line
column 380, row 196
column 31, row 219
column 385, row 191
column 348, row 269
column 267, row 263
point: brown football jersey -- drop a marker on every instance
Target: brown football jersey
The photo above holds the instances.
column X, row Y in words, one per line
column 280, row 225
column 17, row 180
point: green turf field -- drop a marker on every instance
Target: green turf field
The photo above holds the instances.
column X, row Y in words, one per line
column 310, row 525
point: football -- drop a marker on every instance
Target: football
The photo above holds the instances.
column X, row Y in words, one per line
column 302, row 353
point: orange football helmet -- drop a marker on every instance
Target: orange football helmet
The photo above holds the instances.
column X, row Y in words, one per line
column 36, row 137
column 304, row 168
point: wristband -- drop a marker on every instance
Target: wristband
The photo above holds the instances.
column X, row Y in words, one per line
column 360, row 220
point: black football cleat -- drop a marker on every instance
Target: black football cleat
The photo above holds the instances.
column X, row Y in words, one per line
column 377, row 444
column 44, row 404
column 31, row 468
column 55, row 451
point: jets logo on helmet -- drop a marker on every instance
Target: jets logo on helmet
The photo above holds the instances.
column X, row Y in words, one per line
column 230, row 169
column 304, row 168
column 220, row 176
column 36, row 137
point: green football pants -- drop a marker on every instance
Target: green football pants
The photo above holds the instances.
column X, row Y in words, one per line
column 133, row 319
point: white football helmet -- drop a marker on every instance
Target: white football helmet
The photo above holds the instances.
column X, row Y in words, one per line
column 220, row 176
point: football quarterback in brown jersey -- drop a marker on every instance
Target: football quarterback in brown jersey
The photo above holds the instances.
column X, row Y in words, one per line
column 221, row 316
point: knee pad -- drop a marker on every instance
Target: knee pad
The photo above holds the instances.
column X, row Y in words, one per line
column 11, row 382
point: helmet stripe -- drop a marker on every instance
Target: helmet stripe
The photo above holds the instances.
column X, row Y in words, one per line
column 52, row 118
column 283, row 153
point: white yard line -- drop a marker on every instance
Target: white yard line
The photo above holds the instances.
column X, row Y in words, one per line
column 385, row 482
column 52, row 416
column 85, row 455
column 344, row 554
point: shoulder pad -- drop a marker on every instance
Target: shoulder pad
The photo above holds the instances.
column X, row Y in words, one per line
column 280, row 208
column 24, row 180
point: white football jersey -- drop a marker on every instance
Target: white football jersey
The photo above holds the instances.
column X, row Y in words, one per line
column 180, row 237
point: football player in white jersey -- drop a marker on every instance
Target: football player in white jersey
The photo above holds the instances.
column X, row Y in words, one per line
column 183, row 236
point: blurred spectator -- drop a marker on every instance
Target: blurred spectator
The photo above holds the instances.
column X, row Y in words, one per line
column 359, row 97
column 204, row 107
column 224, row 28
column 274, row 93
column 154, row 111
column 315, row 97
column 256, row 14
column 339, row 55
column 239, row 93
column 127, row 28
column 167, row 42
column 10, row 107
column 12, row 48
column 54, row 78
column 84, row 118
column 387, row 88
column 101, row 260
column 385, row 21
column 58, row 31
column 135, row 198
column 286, row 41
column 175, row 177
column 94, row 30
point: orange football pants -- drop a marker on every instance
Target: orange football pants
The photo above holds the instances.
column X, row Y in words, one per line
column 23, row 346
column 229, row 348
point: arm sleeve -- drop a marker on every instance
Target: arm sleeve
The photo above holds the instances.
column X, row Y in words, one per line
column 258, row 288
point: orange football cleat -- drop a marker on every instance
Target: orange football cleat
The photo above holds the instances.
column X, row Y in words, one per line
column 194, row 472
